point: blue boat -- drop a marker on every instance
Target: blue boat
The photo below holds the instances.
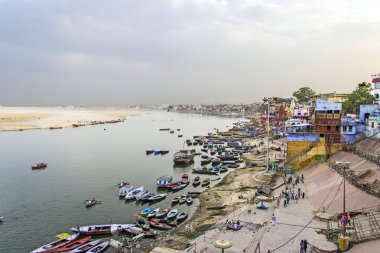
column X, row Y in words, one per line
column 163, row 181
column 146, row 211
column 217, row 168
column 157, row 151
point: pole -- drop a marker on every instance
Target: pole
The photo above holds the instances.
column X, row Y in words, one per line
column 268, row 136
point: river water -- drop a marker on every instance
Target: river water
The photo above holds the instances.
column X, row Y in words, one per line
column 83, row 163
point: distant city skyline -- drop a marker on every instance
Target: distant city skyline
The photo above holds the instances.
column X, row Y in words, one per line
column 136, row 52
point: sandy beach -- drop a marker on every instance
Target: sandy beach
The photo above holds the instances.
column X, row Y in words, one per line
column 27, row 118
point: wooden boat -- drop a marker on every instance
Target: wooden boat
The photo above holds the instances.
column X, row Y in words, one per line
column 39, row 166
column 1, row 218
column 206, row 182
column 164, row 151
column 122, row 184
column 90, row 202
column 123, row 191
column 179, row 187
column 141, row 222
column 197, row 181
column 146, row 211
column 205, row 171
column 185, row 179
column 100, row 229
column 146, row 198
column 158, row 225
column 137, row 231
column 215, row 161
column 204, row 150
column 172, row 131
column 164, row 129
column 149, row 151
column 56, row 244
column 153, row 213
column 141, row 195
column 233, row 166
column 189, row 200
column 132, row 194
column 172, row 214
column 172, row 223
column 204, row 156
column 182, row 200
column 157, row 151
column 162, row 213
column 157, row 197
column 163, row 181
column 206, row 161
column 182, row 216
column 171, row 185
column 99, row 248
column 73, row 244
column 215, row 207
column 180, row 136
column 85, row 247
column 183, row 158
column 223, row 170
column 176, row 200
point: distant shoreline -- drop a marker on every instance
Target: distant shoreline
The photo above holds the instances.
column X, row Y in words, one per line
column 33, row 118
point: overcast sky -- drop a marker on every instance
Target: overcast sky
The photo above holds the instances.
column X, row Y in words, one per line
column 127, row 52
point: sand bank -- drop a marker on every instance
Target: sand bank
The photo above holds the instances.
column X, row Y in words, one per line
column 26, row 118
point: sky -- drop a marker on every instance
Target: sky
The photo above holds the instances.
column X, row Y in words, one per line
column 144, row 52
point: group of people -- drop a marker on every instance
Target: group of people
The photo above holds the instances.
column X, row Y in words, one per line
column 303, row 246
column 233, row 225
column 289, row 194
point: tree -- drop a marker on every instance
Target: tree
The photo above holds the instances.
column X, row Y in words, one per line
column 303, row 94
column 362, row 95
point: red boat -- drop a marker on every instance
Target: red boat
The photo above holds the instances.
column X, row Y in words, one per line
column 185, row 179
column 196, row 181
column 73, row 244
column 169, row 186
column 158, row 225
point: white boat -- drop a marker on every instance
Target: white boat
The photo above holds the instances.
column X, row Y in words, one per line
column 1, row 218
column 123, row 191
column 58, row 243
column 101, row 229
column 153, row 213
column 132, row 194
column 157, row 197
column 172, row 214
column 99, row 248
column 142, row 195
column 189, row 200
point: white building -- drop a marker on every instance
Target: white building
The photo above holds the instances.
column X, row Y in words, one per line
column 376, row 91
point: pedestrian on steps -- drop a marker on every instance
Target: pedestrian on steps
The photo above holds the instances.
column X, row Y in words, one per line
column 273, row 219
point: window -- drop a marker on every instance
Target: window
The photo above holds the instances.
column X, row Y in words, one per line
column 344, row 128
column 337, row 128
column 350, row 128
column 329, row 111
column 377, row 96
column 328, row 128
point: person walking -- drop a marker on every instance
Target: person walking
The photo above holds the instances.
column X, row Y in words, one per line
column 284, row 202
column 302, row 247
column 273, row 219
column 305, row 245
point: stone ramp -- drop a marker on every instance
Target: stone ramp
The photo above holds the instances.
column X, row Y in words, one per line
column 367, row 226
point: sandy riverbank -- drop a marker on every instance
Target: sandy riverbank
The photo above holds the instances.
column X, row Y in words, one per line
column 26, row 118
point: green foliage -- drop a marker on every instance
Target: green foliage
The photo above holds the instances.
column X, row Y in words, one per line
column 362, row 95
column 303, row 94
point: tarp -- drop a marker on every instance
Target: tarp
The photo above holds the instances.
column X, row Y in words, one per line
column 63, row 236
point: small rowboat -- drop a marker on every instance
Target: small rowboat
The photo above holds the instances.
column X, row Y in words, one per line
column 206, row 161
column 84, row 248
column 153, row 213
column 172, row 223
column 189, row 200
column 99, row 248
column 146, row 211
column 179, row 187
column 90, row 202
column 172, row 214
column 39, row 166
column 56, row 244
column 149, row 151
column 206, row 182
column 182, row 200
column 73, row 244
column 141, row 222
column 176, row 200
column 157, row 197
column 158, row 225
column 100, row 229
column 137, row 231
column 223, row 169
column 1, row 218
column 171, row 185
column 132, row 194
column 142, row 195
column 164, row 151
column 196, row 181
column 185, row 179
column 146, row 198
column 162, row 213
column 124, row 190
column 182, row 216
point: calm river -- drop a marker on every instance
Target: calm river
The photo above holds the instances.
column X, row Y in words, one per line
column 83, row 163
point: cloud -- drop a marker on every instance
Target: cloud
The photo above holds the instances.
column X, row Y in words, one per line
column 152, row 52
